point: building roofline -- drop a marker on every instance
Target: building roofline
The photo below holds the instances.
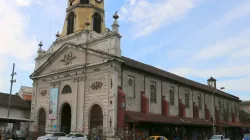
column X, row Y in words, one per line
column 153, row 70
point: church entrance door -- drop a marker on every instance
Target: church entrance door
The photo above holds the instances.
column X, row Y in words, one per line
column 41, row 122
column 66, row 118
column 96, row 121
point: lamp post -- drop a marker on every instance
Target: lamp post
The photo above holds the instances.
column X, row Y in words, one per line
column 222, row 88
column 9, row 101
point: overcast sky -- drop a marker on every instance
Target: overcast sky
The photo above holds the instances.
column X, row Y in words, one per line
column 196, row 39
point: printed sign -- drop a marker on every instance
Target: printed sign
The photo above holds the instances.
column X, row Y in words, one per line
column 53, row 103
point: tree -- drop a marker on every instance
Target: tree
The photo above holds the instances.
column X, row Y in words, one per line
column 244, row 116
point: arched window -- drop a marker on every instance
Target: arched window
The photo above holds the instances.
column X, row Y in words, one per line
column 71, row 21
column 84, row 2
column 171, row 96
column 153, row 92
column 66, row 89
column 199, row 102
column 97, row 22
column 187, row 99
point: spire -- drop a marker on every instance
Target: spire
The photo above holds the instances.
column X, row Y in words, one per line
column 115, row 26
column 40, row 50
column 40, row 47
column 57, row 35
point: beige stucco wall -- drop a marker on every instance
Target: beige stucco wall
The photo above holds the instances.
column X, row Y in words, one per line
column 82, row 97
column 183, row 90
column 15, row 112
column 162, row 88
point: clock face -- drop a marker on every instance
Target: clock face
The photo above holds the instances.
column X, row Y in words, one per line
column 99, row 1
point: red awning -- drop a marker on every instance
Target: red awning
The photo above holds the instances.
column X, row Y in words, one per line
column 153, row 118
column 246, row 125
column 201, row 122
column 231, row 124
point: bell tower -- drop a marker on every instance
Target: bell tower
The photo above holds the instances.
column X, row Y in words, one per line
column 82, row 15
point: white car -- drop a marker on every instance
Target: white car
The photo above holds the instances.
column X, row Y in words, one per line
column 52, row 136
column 74, row 136
column 219, row 137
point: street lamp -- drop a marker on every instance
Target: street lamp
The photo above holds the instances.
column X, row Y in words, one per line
column 222, row 88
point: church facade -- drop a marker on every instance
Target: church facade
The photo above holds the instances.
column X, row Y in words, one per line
column 83, row 82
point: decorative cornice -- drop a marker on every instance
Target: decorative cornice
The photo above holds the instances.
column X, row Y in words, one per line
column 55, row 84
column 78, row 79
column 84, row 6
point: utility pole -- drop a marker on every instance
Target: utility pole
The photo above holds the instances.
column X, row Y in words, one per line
column 11, row 84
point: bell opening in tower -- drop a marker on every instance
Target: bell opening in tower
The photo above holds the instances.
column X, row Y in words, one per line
column 71, row 19
column 97, row 22
column 84, row 1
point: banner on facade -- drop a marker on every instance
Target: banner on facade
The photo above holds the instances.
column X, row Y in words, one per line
column 53, row 103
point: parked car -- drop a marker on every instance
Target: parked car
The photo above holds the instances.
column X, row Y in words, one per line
column 246, row 137
column 52, row 136
column 156, row 138
column 219, row 137
column 18, row 135
column 74, row 136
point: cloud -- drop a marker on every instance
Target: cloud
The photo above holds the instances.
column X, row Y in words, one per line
column 224, row 47
column 28, row 66
column 3, row 64
column 148, row 50
column 239, row 85
column 240, row 11
column 177, row 53
column 16, row 44
column 14, row 41
column 147, row 16
column 241, row 53
column 222, row 72
column 23, row 2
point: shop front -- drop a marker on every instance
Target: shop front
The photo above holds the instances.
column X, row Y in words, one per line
column 142, row 126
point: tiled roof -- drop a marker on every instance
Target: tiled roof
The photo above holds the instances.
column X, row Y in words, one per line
column 26, row 93
column 150, row 69
column 16, row 101
column 27, row 97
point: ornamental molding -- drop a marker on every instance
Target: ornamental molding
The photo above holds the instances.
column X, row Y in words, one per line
column 66, row 75
column 78, row 79
column 96, row 85
column 43, row 92
column 55, row 84
column 68, row 58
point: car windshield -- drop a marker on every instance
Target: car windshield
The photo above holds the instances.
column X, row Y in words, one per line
column 19, row 132
column 49, row 134
column 216, row 137
column 247, row 136
column 69, row 135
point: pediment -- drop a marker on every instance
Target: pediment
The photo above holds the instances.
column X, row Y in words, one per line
column 68, row 57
